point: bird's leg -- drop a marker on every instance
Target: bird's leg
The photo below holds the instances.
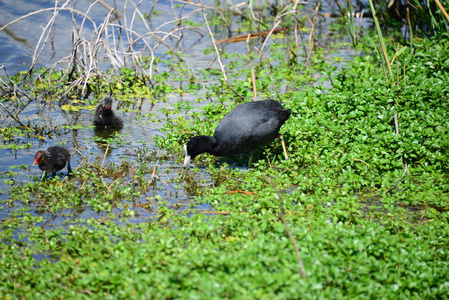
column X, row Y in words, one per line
column 69, row 169
column 283, row 145
column 44, row 175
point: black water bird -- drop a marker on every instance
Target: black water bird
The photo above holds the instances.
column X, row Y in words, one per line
column 244, row 129
column 53, row 159
column 105, row 117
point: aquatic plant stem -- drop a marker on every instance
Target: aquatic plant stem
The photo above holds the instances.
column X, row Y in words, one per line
column 381, row 39
column 440, row 6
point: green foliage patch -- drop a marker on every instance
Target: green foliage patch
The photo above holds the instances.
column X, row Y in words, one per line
column 364, row 193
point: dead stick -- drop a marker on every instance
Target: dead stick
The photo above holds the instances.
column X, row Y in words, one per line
column 253, row 78
column 214, row 212
column 14, row 117
column 45, row 205
column 218, row 54
column 396, row 126
column 399, row 180
column 105, row 153
column 302, row 270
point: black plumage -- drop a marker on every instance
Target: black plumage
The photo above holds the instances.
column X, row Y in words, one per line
column 105, row 117
column 244, row 129
column 53, row 159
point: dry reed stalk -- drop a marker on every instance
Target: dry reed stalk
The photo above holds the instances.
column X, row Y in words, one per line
column 251, row 36
column 441, row 7
column 253, row 79
column 223, row 71
column 312, row 33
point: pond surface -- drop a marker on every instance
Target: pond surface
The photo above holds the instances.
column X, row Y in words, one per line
column 143, row 120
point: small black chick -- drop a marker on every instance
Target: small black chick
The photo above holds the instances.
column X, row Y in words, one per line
column 53, row 159
column 104, row 116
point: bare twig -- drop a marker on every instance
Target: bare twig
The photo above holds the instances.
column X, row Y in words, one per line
column 367, row 164
column 151, row 178
column 399, row 180
column 312, row 33
column 15, row 117
column 46, row 206
column 302, row 270
column 268, row 37
column 396, row 126
column 202, row 6
column 253, row 78
column 251, row 36
column 267, row 70
column 41, row 11
column 14, row 87
column 223, row 71
column 110, row 8
column 105, row 153
column 114, row 41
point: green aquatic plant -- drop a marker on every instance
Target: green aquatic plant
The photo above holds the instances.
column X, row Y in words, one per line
column 363, row 197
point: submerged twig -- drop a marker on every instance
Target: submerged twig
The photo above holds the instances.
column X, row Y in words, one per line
column 15, row 117
column 213, row 212
column 153, row 175
column 164, row 182
column 240, row 192
column 105, row 153
column 46, row 207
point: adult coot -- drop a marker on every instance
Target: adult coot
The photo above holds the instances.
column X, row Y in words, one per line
column 104, row 116
column 247, row 127
column 53, row 159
